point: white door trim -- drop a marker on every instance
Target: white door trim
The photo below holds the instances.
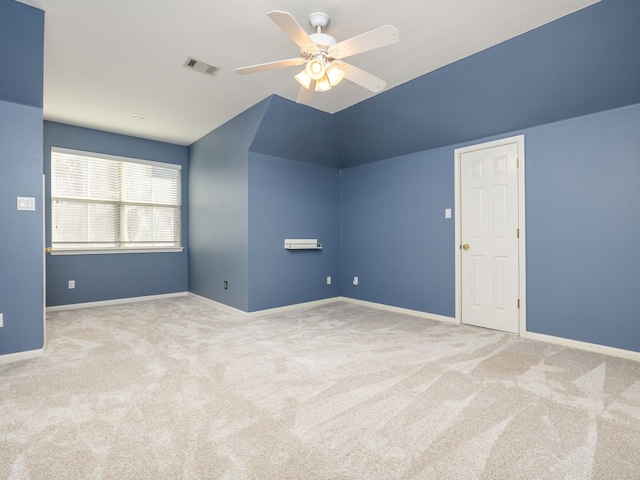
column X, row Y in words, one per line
column 44, row 269
column 522, row 290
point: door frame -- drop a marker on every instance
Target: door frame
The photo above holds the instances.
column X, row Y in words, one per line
column 44, row 266
column 522, row 256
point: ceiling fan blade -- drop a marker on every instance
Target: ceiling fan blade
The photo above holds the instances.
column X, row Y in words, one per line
column 380, row 37
column 306, row 94
column 291, row 62
column 292, row 28
column 362, row 78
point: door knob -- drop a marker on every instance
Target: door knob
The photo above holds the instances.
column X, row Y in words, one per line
column 466, row 246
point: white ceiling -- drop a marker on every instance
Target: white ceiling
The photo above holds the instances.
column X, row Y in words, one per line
column 108, row 59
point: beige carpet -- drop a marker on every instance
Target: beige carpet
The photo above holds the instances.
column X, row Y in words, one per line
column 181, row 389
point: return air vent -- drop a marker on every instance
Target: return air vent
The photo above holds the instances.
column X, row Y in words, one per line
column 201, row 67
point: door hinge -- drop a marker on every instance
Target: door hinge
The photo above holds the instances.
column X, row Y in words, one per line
column 518, row 303
column 517, row 163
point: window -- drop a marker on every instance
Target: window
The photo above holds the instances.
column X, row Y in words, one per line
column 103, row 203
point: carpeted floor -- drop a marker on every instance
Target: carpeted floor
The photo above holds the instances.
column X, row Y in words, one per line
column 182, row 389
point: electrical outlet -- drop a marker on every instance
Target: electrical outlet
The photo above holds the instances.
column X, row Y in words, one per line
column 355, row 281
column 1, row 320
column 329, row 280
column 226, row 285
column 72, row 284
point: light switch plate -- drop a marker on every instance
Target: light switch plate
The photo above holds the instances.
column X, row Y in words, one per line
column 26, row 203
column 447, row 213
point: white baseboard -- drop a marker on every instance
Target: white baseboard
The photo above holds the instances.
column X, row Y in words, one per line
column 325, row 301
column 217, row 304
column 267, row 311
column 117, row 301
column 591, row 347
column 407, row 311
column 15, row 357
column 296, row 306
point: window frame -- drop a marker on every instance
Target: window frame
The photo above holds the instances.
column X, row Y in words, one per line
column 120, row 203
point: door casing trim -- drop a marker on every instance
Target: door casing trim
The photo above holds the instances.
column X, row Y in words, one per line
column 522, row 254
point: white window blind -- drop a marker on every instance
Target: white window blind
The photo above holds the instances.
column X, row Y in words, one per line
column 104, row 202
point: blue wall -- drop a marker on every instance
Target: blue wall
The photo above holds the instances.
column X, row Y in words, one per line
column 253, row 183
column 394, row 236
column 294, row 192
column 21, row 232
column 117, row 275
column 583, row 222
column 292, row 199
column 21, row 241
column 21, row 53
column 582, row 204
column 218, row 210
column 583, row 63
column 297, row 132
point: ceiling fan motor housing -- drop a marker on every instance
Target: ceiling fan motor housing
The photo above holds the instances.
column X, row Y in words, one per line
column 323, row 40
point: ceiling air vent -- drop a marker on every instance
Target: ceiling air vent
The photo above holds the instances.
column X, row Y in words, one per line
column 201, row 67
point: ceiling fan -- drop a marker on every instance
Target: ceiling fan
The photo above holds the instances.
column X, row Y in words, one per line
column 322, row 55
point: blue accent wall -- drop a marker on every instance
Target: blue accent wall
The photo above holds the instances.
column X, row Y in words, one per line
column 394, row 236
column 255, row 181
column 21, row 232
column 21, row 53
column 292, row 199
column 117, row 275
column 297, row 132
column 21, row 240
column 583, row 223
column 218, row 210
column 583, row 63
column 582, row 204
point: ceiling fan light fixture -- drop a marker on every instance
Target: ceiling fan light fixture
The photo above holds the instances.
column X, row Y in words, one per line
column 303, row 79
column 315, row 68
column 323, row 84
column 322, row 55
column 335, row 73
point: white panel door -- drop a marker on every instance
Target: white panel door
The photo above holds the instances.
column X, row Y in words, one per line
column 489, row 237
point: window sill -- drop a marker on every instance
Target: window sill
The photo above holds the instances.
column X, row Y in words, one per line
column 116, row 250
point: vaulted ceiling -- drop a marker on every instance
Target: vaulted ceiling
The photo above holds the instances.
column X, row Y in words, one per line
column 107, row 60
